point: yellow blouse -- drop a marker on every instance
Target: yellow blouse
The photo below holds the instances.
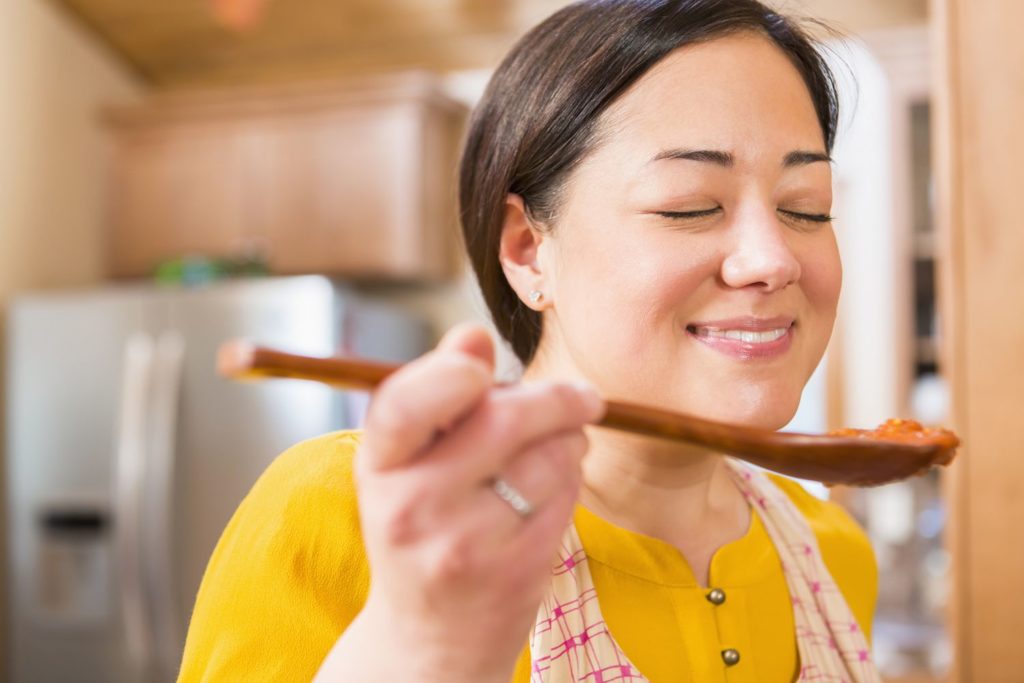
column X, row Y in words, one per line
column 289, row 574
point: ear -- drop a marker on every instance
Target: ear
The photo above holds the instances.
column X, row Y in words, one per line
column 519, row 254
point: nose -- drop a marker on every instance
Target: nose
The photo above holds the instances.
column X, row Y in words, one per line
column 761, row 256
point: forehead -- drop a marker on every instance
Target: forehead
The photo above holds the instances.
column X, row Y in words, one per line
column 739, row 92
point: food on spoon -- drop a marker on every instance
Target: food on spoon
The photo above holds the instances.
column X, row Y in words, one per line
column 909, row 432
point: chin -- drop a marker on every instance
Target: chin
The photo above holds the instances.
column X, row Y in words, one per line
column 771, row 420
column 774, row 421
column 761, row 412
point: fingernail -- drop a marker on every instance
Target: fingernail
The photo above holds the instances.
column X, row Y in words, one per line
column 592, row 399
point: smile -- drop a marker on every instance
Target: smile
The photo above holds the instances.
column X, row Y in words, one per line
column 748, row 339
column 743, row 335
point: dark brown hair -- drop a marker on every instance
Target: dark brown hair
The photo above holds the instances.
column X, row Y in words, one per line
column 537, row 118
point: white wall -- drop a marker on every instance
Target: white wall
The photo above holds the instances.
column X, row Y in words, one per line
column 868, row 321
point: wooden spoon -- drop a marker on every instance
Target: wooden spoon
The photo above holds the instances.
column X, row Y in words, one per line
column 896, row 450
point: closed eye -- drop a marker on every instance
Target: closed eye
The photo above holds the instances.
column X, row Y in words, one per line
column 684, row 215
column 807, row 217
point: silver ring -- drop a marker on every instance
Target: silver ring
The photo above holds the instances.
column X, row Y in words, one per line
column 511, row 495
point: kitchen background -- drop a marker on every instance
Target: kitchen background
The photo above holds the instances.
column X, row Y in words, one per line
column 160, row 160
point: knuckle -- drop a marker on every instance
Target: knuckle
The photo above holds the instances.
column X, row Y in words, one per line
column 465, row 368
column 550, row 451
column 401, row 526
column 568, row 402
column 456, row 561
column 403, row 522
column 390, row 413
column 577, row 442
column 396, row 384
column 411, row 396
column 561, row 455
column 537, row 467
column 502, row 420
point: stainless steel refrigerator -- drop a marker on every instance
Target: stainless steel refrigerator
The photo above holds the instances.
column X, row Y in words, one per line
column 127, row 454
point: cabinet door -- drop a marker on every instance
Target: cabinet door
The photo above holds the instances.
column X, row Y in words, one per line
column 346, row 193
column 178, row 190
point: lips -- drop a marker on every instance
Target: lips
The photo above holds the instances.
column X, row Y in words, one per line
column 745, row 338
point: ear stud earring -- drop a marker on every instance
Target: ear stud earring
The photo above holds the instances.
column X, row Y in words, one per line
column 536, row 296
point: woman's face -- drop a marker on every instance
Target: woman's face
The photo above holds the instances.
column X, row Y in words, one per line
column 691, row 264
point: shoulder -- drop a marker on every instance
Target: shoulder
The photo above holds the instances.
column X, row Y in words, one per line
column 325, row 460
column 307, row 499
column 288, row 574
column 308, row 474
column 310, row 481
column 845, row 547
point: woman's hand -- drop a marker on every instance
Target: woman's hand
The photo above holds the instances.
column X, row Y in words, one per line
column 457, row 573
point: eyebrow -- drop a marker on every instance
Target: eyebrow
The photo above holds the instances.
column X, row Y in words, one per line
column 802, row 158
column 727, row 160
column 710, row 156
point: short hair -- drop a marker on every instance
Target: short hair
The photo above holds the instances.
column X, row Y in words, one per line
column 537, row 118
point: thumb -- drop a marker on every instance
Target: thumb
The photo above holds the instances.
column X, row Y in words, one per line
column 471, row 339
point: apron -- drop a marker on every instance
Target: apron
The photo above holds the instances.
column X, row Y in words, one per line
column 571, row 642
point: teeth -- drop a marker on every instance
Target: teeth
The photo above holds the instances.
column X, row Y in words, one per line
column 747, row 336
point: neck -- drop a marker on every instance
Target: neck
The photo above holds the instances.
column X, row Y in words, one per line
column 656, row 487
column 676, row 492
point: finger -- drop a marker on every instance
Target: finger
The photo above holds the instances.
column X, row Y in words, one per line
column 538, row 475
column 471, row 339
column 508, row 421
column 485, row 524
column 542, row 530
column 427, row 397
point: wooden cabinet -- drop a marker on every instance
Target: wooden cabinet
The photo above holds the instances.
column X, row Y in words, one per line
column 355, row 179
column 979, row 143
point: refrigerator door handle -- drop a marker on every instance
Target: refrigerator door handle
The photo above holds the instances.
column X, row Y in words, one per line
column 130, row 476
column 159, row 535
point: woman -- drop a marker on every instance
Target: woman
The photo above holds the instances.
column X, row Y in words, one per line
column 645, row 197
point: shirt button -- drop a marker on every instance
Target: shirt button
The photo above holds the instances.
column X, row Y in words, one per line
column 731, row 657
column 716, row 596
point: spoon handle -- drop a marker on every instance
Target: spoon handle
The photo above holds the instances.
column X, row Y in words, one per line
column 865, row 459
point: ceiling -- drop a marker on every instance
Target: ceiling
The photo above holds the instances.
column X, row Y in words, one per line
column 180, row 43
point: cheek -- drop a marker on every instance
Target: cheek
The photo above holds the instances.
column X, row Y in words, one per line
column 821, row 281
column 639, row 282
column 621, row 298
